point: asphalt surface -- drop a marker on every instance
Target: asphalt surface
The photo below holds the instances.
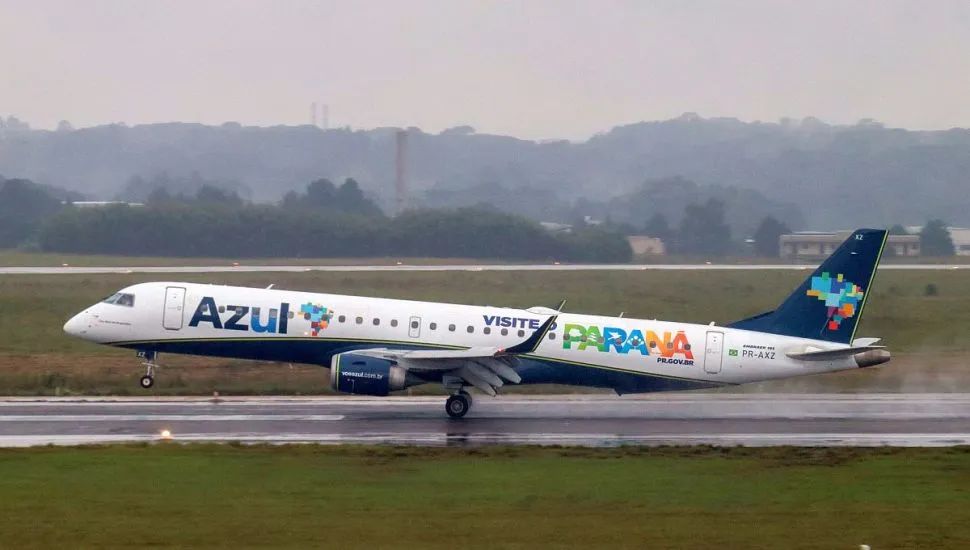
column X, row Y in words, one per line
column 752, row 420
column 369, row 268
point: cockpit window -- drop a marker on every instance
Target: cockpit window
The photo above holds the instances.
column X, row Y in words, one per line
column 120, row 299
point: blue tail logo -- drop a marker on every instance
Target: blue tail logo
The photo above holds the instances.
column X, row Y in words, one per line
column 841, row 297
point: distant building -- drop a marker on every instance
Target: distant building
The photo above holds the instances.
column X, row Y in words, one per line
column 818, row 246
column 90, row 204
column 643, row 245
column 961, row 240
column 959, row 235
column 554, row 227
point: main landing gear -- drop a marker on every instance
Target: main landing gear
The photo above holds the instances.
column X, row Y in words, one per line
column 148, row 380
column 458, row 404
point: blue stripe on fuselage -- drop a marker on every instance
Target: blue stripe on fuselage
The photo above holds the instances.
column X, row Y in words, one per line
column 319, row 351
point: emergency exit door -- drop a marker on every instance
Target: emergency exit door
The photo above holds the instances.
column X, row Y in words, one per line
column 713, row 352
column 414, row 328
column 174, row 304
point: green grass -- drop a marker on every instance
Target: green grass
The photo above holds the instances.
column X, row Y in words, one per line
column 331, row 497
column 14, row 258
column 36, row 357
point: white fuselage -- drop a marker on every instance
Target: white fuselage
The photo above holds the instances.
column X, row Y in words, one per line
column 288, row 326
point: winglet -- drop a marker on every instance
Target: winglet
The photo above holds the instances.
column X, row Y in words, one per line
column 533, row 341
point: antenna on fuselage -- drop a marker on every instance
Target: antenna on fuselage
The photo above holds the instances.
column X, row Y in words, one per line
column 270, row 286
column 561, row 304
column 621, row 314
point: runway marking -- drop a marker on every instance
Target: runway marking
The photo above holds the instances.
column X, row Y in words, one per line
column 170, row 417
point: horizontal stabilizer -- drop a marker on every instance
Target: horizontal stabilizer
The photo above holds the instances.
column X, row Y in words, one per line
column 831, row 354
column 865, row 341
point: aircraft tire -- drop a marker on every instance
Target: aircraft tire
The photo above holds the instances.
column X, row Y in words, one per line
column 146, row 382
column 457, row 405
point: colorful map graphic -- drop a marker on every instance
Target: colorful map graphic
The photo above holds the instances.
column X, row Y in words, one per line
column 318, row 316
column 841, row 297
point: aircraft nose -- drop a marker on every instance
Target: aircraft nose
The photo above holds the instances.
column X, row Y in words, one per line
column 77, row 325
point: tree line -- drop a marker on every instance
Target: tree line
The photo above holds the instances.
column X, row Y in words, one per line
column 325, row 221
column 328, row 220
column 703, row 231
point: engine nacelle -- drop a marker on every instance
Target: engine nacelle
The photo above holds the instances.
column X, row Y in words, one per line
column 363, row 375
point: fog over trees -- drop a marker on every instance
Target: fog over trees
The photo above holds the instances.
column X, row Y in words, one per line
column 807, row 173
column 707, row 187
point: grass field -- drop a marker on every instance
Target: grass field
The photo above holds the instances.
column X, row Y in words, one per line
column 15, row 258
column 497, row 497
column 925, row 330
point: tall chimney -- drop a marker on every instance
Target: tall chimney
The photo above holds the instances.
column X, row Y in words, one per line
column 400, row 165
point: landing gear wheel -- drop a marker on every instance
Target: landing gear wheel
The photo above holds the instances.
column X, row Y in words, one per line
column 148, row 380
column 457, row 405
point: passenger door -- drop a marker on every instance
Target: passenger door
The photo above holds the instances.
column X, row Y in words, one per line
column 172, row 315
column 713, row 352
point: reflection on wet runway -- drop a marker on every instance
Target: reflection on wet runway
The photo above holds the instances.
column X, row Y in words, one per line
column 601, row 420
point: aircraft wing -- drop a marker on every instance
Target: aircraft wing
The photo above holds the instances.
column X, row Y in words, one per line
column 486, row 368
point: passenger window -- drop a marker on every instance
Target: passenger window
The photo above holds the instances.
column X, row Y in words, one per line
column 552, row 335
column 290, row 315
column 433, row 326
column 342, row 318
column 393, row 322
column 359, row 320
column 487, row 330
column 222, row 309
column 471, row 329
column 451, row 328
column 505, row 332
column 377, row 321
column 521, row 333
column 414, row 324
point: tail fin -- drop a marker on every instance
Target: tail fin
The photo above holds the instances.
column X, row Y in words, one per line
column 829, row 304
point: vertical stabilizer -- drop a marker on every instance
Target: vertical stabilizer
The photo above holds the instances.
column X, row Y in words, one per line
column 828, row 305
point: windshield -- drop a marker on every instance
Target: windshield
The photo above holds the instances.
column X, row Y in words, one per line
column 120, row 299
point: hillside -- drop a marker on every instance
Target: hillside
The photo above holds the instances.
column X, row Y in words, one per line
column 833, row 176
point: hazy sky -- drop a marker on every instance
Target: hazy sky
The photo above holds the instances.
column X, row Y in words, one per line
column 530, row 68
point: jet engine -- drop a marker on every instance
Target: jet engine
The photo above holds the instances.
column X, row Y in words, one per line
column 364, row 375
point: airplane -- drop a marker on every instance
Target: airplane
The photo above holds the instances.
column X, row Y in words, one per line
column 376, row 346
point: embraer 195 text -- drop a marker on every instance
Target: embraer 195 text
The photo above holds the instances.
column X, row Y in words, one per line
column 375, row 346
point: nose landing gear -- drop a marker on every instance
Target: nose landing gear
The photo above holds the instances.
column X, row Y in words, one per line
column 148, row 380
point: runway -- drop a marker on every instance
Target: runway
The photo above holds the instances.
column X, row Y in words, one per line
column 600, row 420
column 69, row 270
